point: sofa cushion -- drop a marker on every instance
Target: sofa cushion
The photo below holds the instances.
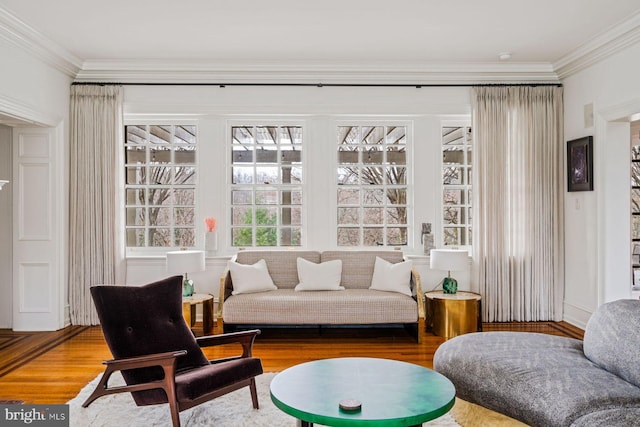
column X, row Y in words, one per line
column 392, row 277
column 248, row 278
column 348, row 307
column 542, row 380
column 319, row 277
column 282, row 265
column 612, row 338
column 357, row 266
column 191, row 385
column 622, row 417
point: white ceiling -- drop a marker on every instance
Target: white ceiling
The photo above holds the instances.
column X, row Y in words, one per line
column 421, row 35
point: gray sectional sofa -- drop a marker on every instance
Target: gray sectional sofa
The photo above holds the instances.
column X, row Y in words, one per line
column 552, row 381
column 355, row 305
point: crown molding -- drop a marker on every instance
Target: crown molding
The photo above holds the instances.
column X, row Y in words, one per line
column 16, row 109
column 622, row 112
column 38, row 45
column 33, row 42
column 617, row 38
column 300, row 72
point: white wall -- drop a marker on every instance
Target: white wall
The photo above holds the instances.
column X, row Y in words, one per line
column 5, row 229
column 38, row 93
column 597, row 223
column 319, row 110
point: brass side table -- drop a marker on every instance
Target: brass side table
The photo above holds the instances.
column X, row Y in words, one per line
column 189, row 311
column 450, row 315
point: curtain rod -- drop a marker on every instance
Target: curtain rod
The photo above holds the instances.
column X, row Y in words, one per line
column 415, row 85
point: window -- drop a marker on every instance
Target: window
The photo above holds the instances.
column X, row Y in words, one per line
column 456, row 181
column 160, row 170
column 266, row 186
column 372, row 186
column 635, row 205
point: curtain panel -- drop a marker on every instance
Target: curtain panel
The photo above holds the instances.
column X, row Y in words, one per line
column 518, row 202
column 95, row 255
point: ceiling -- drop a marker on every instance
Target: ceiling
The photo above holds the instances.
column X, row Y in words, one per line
column 134, row 37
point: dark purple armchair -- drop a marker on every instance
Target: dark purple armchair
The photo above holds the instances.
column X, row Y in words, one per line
column 159, row 357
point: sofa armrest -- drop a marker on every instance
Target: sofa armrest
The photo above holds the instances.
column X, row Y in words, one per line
column 416, row 286
column 225, row 283
column 223, row 280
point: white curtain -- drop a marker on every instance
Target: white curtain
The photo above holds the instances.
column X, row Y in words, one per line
column 95, row 253
column 518, row 202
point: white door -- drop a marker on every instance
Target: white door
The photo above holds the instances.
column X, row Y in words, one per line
column 38, row 225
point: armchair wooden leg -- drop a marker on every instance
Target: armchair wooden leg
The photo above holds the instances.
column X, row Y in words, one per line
column 101, row 388
column 254, row 393
column 175, row 412
column 170, row 390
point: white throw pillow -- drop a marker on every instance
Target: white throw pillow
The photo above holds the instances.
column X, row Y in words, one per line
column 249, row 278
column 325, row 276
column 392, row 277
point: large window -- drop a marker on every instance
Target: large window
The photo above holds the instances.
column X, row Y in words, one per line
column 456, row 180
column 372, row 186
column 635, row 205
column 160, row 170
column 266, row 186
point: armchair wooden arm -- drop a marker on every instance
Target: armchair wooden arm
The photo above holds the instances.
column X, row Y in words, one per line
column 244, row 338
column 144, row 361
column 167, row 361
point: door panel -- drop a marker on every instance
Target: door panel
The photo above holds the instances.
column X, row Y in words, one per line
column 38, row 201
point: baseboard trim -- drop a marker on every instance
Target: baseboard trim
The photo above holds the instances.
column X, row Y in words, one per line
column 576, row 315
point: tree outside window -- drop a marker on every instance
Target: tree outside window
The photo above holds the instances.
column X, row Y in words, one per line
column 372, row 186
column 266, row 193
column 456, row 182
column 635, row 211
column 160, row 171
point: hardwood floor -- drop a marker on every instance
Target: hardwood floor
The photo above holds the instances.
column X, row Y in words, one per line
column 52, row 367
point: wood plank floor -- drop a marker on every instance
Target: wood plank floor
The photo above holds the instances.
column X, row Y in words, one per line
column 52, row 367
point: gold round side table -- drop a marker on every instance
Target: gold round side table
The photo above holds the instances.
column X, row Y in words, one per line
column 450, row 315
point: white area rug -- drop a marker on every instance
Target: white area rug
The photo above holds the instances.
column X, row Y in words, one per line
column 231, row 410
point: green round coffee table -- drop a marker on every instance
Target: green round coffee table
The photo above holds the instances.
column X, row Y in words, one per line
column 391, row 393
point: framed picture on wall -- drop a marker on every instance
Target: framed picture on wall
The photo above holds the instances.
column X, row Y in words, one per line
column 580, row 164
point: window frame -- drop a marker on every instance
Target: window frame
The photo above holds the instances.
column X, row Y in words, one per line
column 408, row 186
column 143, row 120
column 230, row 186
column 466, row 186
column 635, row 208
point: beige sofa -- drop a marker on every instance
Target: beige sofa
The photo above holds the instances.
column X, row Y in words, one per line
column 356, row 305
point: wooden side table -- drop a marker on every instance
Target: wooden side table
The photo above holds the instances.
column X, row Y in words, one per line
column 189, row 311
column 450, row 315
